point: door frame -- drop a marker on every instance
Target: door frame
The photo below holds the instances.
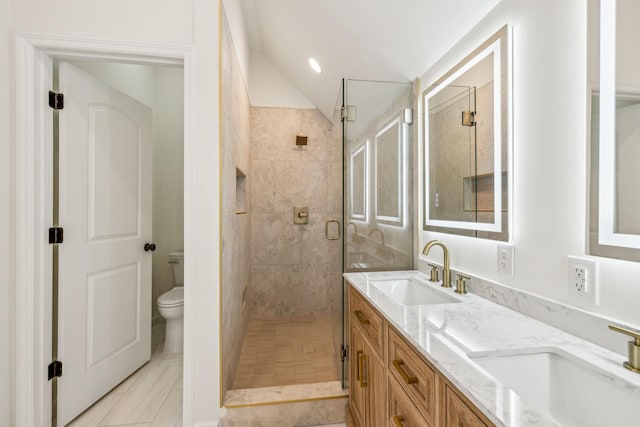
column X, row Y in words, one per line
column 33, row 136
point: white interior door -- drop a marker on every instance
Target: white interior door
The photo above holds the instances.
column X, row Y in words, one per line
column 105, row 208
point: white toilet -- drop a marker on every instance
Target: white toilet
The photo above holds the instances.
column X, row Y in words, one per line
column 171, row 306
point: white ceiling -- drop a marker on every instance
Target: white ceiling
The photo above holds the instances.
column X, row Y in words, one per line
column 388, row 40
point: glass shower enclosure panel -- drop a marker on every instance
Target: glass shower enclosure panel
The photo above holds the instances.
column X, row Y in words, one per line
column 455, row 161
column 377, row 123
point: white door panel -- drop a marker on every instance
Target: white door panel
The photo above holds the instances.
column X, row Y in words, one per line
column 115, row 163
column 105, row 209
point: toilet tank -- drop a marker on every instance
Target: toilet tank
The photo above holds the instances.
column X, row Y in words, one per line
column 176, row 259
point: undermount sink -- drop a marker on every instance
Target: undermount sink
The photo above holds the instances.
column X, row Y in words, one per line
column 411, row 292
column 570, row 390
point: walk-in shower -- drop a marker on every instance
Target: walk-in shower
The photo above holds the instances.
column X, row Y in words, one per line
column 297, row 216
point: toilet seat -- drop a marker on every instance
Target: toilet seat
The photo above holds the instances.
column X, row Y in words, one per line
column 172, row 298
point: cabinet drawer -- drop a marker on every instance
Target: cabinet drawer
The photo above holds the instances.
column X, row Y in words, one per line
column 402, row 412
column 458, row 413
column 413, row 374
column 364, row 315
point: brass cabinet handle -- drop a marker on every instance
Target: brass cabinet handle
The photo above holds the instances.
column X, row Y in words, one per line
column 397, row 420
column 364, row 381
column 361, row 317
column 409, row 379
column 359, row 370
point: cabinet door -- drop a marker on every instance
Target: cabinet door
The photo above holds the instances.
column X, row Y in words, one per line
column 357, row 391
column 376, row 386
column 413, row 374
column 457, row 413
column 402, row 410
column 369, row 320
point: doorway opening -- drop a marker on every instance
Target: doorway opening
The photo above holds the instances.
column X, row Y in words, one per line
column 35, row 57
column 118, row 305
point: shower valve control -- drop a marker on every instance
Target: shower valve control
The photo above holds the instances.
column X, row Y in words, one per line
column 300, row 215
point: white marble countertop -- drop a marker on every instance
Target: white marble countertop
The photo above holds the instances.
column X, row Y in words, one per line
column 448, row 334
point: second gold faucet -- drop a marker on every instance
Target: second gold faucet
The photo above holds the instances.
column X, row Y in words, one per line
column 446, row 272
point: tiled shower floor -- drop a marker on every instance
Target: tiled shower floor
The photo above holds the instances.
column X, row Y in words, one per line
column 288, row 350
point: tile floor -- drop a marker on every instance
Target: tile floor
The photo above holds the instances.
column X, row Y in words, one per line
column 288, row 350
column 152, row 396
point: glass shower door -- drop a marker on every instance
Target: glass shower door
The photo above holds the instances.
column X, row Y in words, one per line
column 377, row 138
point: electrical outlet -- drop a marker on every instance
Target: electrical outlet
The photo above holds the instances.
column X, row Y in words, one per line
column 583, row 279
column 505, row 259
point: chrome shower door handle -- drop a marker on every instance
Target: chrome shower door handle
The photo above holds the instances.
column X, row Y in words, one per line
column 326, row 229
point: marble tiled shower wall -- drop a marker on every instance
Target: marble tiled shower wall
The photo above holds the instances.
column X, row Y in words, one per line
column 295, row 270
column 236, row 262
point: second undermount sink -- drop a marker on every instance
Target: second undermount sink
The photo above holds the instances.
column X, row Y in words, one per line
column 569, row 390
column 411, row 292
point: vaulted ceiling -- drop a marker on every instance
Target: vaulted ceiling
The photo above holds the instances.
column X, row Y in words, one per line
column 388, row 40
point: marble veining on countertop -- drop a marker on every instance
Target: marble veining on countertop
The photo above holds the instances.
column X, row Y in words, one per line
column 448, row 334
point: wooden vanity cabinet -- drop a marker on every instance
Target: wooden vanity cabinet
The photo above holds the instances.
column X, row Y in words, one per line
column 392, row 384
column 367, row 391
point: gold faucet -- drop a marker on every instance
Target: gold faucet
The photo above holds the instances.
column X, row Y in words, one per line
column 446, row 273
column 382, row 248
column 461, row 283
column 633, row 364
column 356, row 238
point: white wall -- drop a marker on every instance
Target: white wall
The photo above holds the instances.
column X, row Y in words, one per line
column 168, row 171
column 193, row 23
column 6, row 223
column 137, row 81
column 549, row 162
column 268, row 87
column 237, row 26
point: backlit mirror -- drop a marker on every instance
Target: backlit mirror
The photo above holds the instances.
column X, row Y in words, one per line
column 359, row 179
column 467, row 144
column 389, row 173
column 615, row 129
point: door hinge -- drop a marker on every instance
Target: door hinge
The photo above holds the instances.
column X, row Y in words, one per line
column 468, row 118
column 56, row 100
column 407, row 116
column 343, row 353
column 55, row 369
column 56, row 235
column 348, row 113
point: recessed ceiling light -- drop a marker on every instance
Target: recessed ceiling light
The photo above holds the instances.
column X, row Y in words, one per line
column 315, row 66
